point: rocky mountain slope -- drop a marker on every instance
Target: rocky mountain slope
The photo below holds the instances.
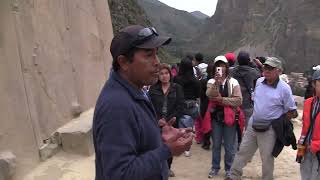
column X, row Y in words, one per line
column 199, row 15
column 287, row 29
column 182, row 26
column 128, row 12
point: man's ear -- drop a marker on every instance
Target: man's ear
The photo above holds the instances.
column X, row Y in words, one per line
column 123, row 62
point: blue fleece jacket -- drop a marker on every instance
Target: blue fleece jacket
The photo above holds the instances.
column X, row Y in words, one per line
column 126, row 135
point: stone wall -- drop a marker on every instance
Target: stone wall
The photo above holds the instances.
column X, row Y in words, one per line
column 54, row 57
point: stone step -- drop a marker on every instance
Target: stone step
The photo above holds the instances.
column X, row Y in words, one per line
column 7, row 165
column 76, row 136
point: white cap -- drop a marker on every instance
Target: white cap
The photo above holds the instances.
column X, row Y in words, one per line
column 316, row 68
column 220, row 58
column 203, row 67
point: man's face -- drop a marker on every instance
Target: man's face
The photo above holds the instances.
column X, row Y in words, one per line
column 316, row 86
column 194, row 62
column 271, row 73
column 144, row 68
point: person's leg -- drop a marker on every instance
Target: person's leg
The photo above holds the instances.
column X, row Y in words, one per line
column 247, row 113
column 169, row 161
column 197, row 126
column 206, row 141
column 310, row 167
column 306, row 166
column 186, row 121
column 247, row 149
column 171, row 173
column 266, row 141
column 216, row 150
column 229, row 137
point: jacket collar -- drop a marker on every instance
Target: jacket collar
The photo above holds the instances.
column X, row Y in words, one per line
column 274, row 85
column 136, row 93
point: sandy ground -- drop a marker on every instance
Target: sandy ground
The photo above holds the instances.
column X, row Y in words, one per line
column 64, row 166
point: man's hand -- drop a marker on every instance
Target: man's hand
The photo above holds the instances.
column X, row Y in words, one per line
column 178, row 140
column 162, row 122
column 292, row 114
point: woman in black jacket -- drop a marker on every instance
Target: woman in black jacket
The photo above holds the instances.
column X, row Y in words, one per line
column 167, row 99
column 191, row 91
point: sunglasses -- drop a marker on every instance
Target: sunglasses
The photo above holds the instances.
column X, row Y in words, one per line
column 268, row 68
column 145, row 34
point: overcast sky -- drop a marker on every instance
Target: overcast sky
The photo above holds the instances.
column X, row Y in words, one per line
column 207, row 7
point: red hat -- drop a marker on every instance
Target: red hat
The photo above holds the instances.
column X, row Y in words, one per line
column 230, row 57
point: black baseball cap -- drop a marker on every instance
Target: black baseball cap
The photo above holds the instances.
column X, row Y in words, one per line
column 136, row 36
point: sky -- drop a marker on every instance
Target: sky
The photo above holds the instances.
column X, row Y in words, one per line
column 207, row 7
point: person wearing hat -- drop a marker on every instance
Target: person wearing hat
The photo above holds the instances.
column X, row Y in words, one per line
column 223, row 92
column 246, row 76
column 231, row 59
column 272, row 98
column 310, row 135
column 127, row 140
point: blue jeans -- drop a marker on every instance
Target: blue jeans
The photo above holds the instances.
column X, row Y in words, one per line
column 187, row 121
column 228, row 134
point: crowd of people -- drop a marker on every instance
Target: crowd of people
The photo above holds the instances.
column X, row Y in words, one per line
column 148, row 111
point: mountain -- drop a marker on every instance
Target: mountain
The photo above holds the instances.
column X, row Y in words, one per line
column 289, row 30
column 199, row 15
column 129, row 12
column 182, row 26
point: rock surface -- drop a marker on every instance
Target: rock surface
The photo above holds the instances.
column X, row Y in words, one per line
column 76, row 136
column 54, row 59
column 287, row 29
column 7, row 165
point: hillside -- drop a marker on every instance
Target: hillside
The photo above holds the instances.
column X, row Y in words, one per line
column 199, row 15
column 128, row 12
column 182, row 26
column 290, row 30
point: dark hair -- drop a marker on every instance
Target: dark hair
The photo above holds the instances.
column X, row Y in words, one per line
column 231, row 63
column 210, row 69
column 129, row 55
column 189, row 56
column 186, row 68
column 199, row 57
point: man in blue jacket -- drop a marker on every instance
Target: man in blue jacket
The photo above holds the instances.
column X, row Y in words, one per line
column 128, row 142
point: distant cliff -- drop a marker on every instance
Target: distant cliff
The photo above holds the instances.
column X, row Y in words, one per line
column 287, row 29
column 129, row 12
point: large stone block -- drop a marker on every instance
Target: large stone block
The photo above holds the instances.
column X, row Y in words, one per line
column 48, row 150
column 76, row 136
column 7, row 165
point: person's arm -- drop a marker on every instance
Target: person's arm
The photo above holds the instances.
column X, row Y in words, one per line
column 292, row 114
column 118, row 143
column 212, row 90
column 289, row 104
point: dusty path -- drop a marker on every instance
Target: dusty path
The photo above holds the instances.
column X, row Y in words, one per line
column 70, row 167
column 198, row 165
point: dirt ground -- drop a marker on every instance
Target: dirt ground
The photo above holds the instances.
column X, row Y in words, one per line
column 64, row 166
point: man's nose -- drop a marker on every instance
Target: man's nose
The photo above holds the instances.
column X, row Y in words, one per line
column 156, row 60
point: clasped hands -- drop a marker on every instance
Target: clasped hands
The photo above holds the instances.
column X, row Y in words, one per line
column 178, row 140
